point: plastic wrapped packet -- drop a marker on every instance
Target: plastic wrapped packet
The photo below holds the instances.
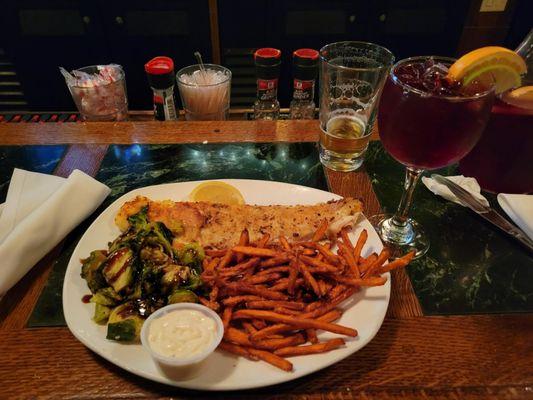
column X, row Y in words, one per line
column 99, row 92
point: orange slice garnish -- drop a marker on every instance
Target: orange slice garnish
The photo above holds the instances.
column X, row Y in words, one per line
column 521, row 97
column 501, row 65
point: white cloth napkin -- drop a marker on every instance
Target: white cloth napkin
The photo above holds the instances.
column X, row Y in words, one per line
column 40, row 210
column 519, row 207
column 469, row 184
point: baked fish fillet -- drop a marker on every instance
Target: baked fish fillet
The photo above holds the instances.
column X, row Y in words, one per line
column 220, row 225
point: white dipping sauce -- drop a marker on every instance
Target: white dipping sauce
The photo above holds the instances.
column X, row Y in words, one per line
column 182, row 333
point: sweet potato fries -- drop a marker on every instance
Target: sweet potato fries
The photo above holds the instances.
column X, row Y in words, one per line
column 273, row 296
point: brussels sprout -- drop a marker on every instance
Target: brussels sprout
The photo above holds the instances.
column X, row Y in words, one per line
column 174, row 276
column 106, row 297
column 194, row 281
column 191, row 254
column 154, row 254
column 183, row 296
column 118, row 271
column 126, row 330
column 160, row 234
column 144, row 232
column 91, row 270
column 127, row 239
column 139, row 221
column 101, row 313
column 124, row 323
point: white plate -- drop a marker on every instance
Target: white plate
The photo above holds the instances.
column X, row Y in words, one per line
column 222, row 371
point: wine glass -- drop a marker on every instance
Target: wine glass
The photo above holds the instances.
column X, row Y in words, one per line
column 426, row 122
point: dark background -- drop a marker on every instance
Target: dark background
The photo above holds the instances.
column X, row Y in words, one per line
column 37, row 36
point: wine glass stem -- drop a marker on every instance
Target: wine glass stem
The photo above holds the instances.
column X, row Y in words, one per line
column 400, row 218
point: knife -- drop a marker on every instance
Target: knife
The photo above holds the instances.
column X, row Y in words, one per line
column 485, row 211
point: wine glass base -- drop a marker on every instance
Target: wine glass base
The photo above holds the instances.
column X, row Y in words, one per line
column 401, row 241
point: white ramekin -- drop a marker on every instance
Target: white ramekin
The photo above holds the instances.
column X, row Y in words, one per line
column 181, row 368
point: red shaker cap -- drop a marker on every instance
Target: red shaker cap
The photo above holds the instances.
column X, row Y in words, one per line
column 267, row 52
column 306, row 53
column 159, row 65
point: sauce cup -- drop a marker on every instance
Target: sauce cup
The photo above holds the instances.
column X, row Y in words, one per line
column 181, row 368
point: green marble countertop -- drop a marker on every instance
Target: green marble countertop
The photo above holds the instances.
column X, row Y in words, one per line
column 38, row 158
column 126, row 167
column 471, row 266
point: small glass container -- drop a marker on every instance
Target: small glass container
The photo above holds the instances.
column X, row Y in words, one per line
column 205, row 96
column 102, row 102
column 352, row 75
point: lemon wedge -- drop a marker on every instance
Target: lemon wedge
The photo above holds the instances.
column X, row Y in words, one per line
column 216, row 192
column 501, row 64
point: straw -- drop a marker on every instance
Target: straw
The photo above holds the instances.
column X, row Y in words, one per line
column 201, row 64
column 206, row 95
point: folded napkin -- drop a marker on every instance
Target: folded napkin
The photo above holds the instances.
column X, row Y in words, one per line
column 519, row 207
column 40, row 210
column 469, row 184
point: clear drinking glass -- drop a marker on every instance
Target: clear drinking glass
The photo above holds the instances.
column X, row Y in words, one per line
column 352, row 75
column 426, row 122
column 205, row 95
column 107, row 102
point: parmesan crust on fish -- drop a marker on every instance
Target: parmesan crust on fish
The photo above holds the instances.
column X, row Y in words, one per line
column 220, row 225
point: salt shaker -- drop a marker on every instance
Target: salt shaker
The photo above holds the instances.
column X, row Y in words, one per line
column 160, row 72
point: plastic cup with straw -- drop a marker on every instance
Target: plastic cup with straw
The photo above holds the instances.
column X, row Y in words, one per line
column 204, row 90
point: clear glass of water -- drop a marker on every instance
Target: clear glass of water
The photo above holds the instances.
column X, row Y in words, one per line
column 352, row 75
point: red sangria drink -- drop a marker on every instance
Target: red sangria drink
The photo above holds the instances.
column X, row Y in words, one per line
column 426, row 120
column 502, row 161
